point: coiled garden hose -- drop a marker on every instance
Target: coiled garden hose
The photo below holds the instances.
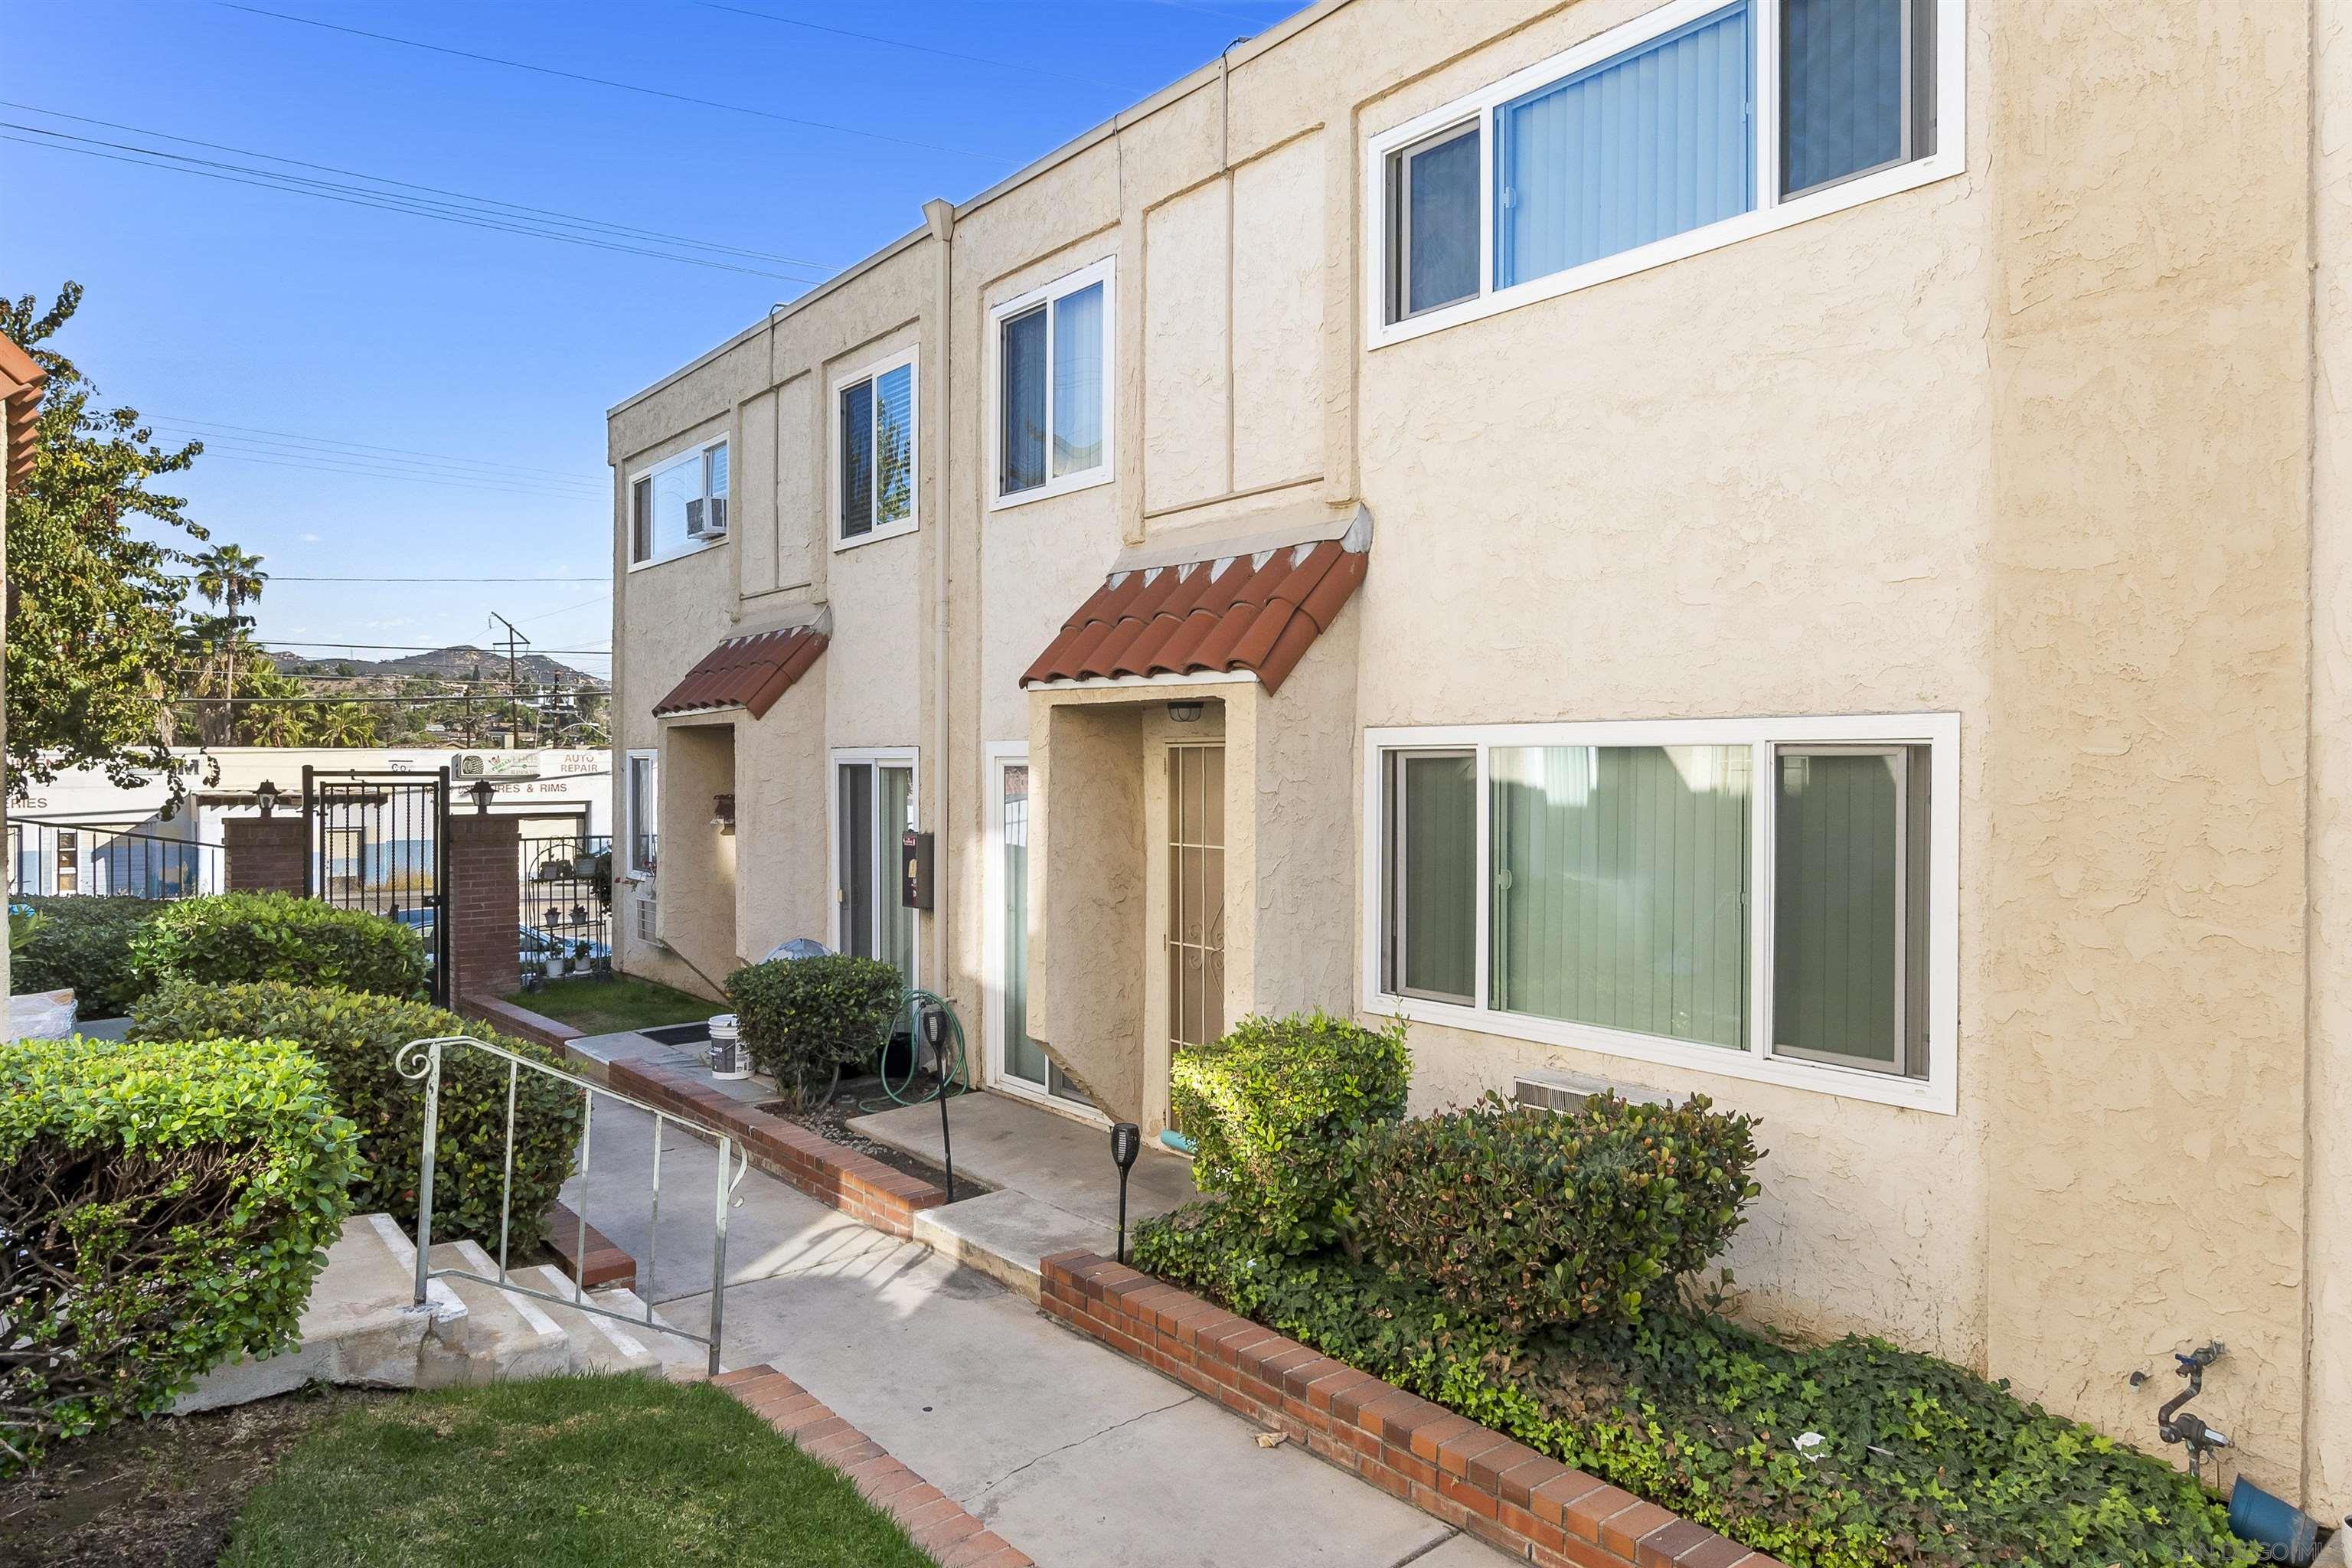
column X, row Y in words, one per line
column 958, row 1072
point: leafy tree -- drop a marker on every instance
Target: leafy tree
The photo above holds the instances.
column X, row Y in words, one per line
column 95, row 629
column 345, row 724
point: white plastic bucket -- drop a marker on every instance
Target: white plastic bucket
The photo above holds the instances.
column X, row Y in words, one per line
column 728, row 1057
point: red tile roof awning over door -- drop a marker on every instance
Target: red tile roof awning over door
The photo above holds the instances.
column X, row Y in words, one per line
column 1258, row 614
column 748, row 672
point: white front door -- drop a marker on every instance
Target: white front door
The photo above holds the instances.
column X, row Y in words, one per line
column 1017, row 1061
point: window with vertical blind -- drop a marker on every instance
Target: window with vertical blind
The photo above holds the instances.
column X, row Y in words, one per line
column 1768, row 897
column 1696, row 125
column 874, row 440
column 873, row 804
column 1051, row 389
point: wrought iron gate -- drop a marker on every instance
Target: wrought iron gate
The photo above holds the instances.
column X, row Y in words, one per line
column 380, row 842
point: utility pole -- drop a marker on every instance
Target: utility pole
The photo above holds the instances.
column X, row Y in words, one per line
column 515, row 641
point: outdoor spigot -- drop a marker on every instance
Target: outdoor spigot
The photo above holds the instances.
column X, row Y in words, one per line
column 1126, row 1143
column 934, row 1024
column 2177, row 1425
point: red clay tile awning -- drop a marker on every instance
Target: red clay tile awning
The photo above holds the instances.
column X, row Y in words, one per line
column 1254, row 614
column 748, row 672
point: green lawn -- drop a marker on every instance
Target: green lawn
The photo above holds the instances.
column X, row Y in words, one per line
column 580, row 1472
column 608, row 1006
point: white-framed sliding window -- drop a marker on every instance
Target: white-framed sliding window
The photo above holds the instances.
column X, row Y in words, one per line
column 1768, row 898
column 1696, row 126
column 641, row 804
column 1051, row 368
column 874, row 420
column 875, row 799
column 678, row 505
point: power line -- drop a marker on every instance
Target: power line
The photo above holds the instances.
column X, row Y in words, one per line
column 179, row 164
column 550, row 213
column 575, row 582
column 405, row 646
column 243, row 430
column 567, row 609
column 233, row 456
column 323, row 463
column 619, row 86
column 903, row 44
column 402, row 184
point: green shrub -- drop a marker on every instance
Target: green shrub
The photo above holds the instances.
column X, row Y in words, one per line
column 1537, row 1216
column 1920, row 1462
column 167, row 1208
column 85, row 942
column 230, row 938
column 1279, row 1110
column 355, row 1038
column 801, row 1018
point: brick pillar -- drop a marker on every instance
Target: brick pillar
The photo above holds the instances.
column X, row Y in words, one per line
column 264, row 853
column 484, row 904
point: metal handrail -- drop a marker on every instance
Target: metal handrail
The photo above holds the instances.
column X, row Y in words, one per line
column 420, row 1058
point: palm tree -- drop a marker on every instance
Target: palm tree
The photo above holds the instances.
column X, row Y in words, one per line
column 345, row 724
column 229, row 574
column 278, row 724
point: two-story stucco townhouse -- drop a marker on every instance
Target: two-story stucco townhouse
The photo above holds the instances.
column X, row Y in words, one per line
column 1793, row 549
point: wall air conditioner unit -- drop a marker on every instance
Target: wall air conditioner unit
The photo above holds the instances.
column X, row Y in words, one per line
column 707, row 518
column 1545, row 1090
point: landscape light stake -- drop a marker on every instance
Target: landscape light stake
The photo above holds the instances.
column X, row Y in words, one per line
column 935, row 1036
column 1126, row 1143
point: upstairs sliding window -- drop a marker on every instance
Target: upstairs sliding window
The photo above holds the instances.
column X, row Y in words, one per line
column 873, row 420
column 1053, row 387
column 1657, row 130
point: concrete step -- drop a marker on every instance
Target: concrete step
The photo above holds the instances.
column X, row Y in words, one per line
column 508, row 1337
column 360, row 1326
column 597, row 1344
column 682, row 1360
column 1003, row 1234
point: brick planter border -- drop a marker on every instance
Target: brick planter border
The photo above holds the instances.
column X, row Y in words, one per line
column 937, row 1522
column 857, row 1185
column 534, row 1026
column 1448, row 1466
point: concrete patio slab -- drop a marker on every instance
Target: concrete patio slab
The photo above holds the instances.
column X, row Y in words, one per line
column 1011, row 1144
column 1079, row 1456
column 1003, row 1234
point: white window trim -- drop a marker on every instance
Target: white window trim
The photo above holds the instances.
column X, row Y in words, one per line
column 1001, row 754
column 627, row 812
column 1940, row 732
column 909, row 358
column 1770, row 212
column 1104, row 272
column 907, row 757
column 697, row 453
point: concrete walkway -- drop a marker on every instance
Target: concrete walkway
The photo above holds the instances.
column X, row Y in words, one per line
column 1078, row 1456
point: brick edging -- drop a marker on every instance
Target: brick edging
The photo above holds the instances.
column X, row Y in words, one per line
column 857, row 1185
column 1448, row 1466
column 936, row 1521
column 533, row 1026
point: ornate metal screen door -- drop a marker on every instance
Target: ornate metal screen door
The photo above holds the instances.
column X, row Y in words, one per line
column 1196, row 897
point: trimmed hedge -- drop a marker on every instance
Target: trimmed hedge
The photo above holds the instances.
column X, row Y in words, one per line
column 167, row 1208
column 1919, row 1462
column 802, row 1017
column 230, row 938
column 1528, row 1216
column 1279, row 1110
column 84, row 942
column 355, row 1038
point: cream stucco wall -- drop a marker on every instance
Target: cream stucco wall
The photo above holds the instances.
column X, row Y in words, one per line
column 2032, row 445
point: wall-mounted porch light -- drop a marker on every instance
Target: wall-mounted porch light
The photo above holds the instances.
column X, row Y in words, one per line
column 1185, row 712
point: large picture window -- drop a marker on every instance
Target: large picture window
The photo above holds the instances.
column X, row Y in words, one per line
column 1053, row 380
column 1769, row 898
column 874, row 423
column 1696, row 125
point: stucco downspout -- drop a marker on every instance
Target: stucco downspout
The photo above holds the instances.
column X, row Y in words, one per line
column 940, row 215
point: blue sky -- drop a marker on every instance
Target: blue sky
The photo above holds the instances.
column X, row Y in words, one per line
column 384, row 395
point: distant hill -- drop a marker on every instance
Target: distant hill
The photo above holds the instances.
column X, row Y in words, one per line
column 458, row 663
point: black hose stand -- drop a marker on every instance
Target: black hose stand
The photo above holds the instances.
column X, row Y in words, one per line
column 935, row 1036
